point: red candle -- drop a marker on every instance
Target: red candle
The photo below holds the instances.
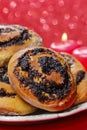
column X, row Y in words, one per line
column 81, row 55
column 65, row 45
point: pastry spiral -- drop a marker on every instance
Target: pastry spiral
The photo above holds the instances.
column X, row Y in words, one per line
column 10, row 102
column 14, row 38
column 42, row 78
column 80, row 76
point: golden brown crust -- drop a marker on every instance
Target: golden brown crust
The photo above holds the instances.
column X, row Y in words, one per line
column 50, row 88
column 80, row 76
column 14, row 38
column 11, row 103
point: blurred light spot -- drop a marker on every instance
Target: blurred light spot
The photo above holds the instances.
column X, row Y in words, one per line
column 54, row 21
column 17, row 14
column 5, row 10
column 42, row 20
column 45, row 13
column 29, row 13
column 13, row 4
column 46, row 27
column 80, row 42
column 33, row 4
column 61, row 3
column 72, row 25
column 75, row 18
column 42, row 0
column 67, row 16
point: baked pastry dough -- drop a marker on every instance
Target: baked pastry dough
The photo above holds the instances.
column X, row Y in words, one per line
column 42, row 78
column 80, row 76
column 14, row 38
column 10, row 102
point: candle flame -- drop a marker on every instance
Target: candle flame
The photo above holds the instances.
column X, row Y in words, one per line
column 64, row 37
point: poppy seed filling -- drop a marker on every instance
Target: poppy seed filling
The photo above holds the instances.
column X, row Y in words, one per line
column 69, row 59
column 4, row 75
column 6, row 30
column 45, row 90
column 3, row 93
column 80, row 76
column 41, row 50
column 24, row 35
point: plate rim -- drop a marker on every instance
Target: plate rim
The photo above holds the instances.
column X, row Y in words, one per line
column 43, row 117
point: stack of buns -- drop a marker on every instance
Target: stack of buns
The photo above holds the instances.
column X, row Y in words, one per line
column 33, row 77
column 12, row 39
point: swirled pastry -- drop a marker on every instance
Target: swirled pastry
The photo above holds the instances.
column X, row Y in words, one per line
column 80, row 76
column 14, row 38
column 10, row 102
column 42, row 78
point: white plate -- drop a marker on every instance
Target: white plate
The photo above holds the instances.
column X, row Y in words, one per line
column 43, row 116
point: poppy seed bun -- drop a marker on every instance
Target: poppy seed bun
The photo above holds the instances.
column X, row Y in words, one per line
column 80, row 76
column 14, row 38
column 42, row 78
column 10, row 102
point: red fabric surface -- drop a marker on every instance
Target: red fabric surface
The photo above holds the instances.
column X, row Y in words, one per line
column 50, row 18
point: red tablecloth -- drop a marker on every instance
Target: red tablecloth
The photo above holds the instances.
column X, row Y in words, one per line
column 50, row 18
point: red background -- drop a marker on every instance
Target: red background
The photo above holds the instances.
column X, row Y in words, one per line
column 50, row 18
